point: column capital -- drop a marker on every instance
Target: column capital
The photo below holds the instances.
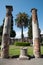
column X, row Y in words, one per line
column 34, row 14
column 9, row 7
column 33, row 9
column 9, row 10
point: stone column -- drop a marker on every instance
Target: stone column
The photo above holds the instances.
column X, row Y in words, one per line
column 36, row 36
column 23, row 54
column 6, row 33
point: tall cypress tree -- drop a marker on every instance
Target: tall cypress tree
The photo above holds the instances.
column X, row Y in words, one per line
column 30, row 28
column 12, row 33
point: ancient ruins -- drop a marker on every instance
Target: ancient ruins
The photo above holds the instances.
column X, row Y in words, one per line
column 36, row 35
column 6, row 34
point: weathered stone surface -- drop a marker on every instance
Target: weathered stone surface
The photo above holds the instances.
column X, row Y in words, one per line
column 6, row 33
column 37, row 48
column 36, row 35
column 23, row 54
column 34, row 15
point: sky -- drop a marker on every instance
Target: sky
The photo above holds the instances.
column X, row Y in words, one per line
column 22, row 6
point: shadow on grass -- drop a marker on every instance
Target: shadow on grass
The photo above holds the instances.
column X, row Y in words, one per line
column 15, row 56
column 0, row 48
column 31, row 57
column 42, row 56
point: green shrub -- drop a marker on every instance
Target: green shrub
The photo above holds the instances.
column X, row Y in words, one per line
column 42, row 43
column 0, row 39
column 22, row 43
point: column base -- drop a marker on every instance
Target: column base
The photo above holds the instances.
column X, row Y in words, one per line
column 23, row 58
column 23, row 54
column 37, row 56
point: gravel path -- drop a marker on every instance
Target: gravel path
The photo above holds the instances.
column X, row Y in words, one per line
column 21, row 62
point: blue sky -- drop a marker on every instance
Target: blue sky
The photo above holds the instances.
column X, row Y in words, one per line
column 22, row 6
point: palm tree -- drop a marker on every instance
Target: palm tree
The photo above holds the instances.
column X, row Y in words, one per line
column 22, row 21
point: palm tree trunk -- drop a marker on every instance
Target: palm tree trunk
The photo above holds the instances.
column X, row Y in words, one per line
column 22, row 33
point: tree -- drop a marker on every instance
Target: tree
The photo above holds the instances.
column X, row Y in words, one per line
column 12, row 33
column 1, row 29
column 30, row 28
column 22, row 21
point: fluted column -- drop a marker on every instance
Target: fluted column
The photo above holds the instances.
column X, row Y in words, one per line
column 6, row 33
column 36, row 36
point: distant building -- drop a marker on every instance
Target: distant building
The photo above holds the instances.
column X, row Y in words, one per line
column 42, row 35
column 26, row 39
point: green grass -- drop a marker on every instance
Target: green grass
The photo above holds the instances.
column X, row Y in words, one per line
column 41, row 49
column 30, row 51
column 15, row 50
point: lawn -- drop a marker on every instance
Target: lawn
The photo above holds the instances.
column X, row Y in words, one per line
column 15, row 50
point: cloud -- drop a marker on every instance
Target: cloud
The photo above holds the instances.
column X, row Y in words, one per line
column 18, row 34
column 42, row 32
column 25, row 33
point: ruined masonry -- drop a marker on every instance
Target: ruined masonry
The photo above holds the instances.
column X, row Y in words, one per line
column 6, row 33
column 36, row 35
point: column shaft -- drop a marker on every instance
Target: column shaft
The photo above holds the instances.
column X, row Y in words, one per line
column 6, row 33
column 36, row 36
